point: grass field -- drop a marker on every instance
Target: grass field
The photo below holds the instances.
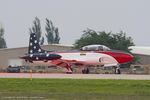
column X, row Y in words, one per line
column 71, row 89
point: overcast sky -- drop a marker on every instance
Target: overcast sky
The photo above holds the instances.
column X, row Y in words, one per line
column 74, row 16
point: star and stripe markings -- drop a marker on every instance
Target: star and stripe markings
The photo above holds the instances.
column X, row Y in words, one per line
column 41, row 57
column 35, row 53
column 34, row 46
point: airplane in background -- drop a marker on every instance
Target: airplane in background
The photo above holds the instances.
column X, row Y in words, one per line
column 142, row 50
column 81, row 58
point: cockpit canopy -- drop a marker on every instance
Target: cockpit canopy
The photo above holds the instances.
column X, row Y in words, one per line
column 95, row 48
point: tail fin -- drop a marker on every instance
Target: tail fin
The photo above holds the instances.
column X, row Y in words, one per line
column 34, row 46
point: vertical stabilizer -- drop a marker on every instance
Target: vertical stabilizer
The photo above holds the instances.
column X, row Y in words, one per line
column 34, row 46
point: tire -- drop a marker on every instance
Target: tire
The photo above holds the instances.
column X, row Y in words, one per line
column 87, row 71
column 83, row 71
column 118, row 71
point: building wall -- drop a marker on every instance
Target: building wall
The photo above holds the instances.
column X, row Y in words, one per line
column 13, row 54
column 143, row 59
column 142, row 65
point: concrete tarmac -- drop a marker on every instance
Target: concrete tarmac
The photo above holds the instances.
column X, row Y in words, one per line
column 75, row 76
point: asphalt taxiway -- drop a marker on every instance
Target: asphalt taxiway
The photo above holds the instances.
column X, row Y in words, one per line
column 75, row 76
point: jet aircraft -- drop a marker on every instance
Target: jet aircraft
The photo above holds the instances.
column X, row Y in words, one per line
column 79, row 58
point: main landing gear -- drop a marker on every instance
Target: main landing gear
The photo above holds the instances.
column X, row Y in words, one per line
column 85, row 71
column 69, row 71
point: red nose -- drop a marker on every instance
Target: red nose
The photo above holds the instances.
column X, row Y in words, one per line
column 121, row 57
column 125, row 58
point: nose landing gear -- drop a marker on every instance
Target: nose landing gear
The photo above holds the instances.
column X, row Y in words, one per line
column 117, row 70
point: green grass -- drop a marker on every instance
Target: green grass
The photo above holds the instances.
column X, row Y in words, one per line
column 69, row 89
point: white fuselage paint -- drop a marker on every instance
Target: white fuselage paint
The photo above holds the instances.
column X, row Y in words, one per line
column 89, row 57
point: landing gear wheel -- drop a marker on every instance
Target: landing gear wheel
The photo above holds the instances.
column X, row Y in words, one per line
column 118, row 71
column 68, row 72
column 85, row 71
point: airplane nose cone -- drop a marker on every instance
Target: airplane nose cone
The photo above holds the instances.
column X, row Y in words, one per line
column 131, row 57
column 128, row 57
column 123, row 57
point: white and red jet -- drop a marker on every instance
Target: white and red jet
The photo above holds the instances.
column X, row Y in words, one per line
column 102, row 56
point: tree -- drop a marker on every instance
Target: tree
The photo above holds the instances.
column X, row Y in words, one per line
column 36, row 28
column 2, row 40
column 52, row 33
column 122, row 42
column 117, row 41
